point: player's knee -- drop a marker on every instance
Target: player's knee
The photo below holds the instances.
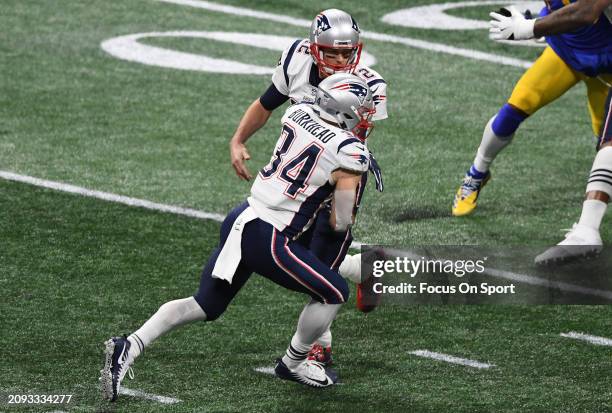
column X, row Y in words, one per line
column 212, row 310
column 508, row 120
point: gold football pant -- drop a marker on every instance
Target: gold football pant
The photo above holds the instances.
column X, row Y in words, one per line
column 549, row 78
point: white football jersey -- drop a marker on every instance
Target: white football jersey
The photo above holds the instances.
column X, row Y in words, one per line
column 297, row 76
column 290, row 190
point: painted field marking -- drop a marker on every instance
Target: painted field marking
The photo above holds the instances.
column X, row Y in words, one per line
column 106, row 196
column 148, row 396
column 451, row 359
column 600, row 341
column 407, row 41
column 265, row 370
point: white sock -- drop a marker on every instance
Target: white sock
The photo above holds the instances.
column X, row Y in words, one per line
column 490, row 146
column 326, row 338
column 593, row 211
column 170, row 315
column 600, row 178
column 315, row 318
column 351, row 268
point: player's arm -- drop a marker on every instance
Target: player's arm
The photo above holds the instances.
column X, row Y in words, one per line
column 344, row 199
column 512, row 25
column 253, row 119
column 570, row 17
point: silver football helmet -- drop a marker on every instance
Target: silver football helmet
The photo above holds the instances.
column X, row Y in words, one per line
column 335, row 29
column 346, row 100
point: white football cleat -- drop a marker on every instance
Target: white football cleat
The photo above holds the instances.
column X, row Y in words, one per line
column 580, row 242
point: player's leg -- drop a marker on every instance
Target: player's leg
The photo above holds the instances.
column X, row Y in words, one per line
column 331, row 248
column 542, row 83
column 584, row 239
column 211, row 300
column 293, row 266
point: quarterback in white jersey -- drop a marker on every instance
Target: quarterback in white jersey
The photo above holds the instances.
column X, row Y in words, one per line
column 297, row 77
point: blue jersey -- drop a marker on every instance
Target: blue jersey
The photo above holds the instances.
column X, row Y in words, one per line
column 588, row 49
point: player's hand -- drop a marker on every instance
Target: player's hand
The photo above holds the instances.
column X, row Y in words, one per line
column 510, row 24
column 375, row 169
column 239, row 155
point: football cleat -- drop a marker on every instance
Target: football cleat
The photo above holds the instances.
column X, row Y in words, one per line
column 580, row 242
column 309, row 372
column 117, row 362
column 321, row 354
column 467, row 194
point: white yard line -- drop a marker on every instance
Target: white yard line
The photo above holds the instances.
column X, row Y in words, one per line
column 451, row 359
column 600, row 341
column 406, row 41
column 265, row 370
column 148, row 396
column 106, row 196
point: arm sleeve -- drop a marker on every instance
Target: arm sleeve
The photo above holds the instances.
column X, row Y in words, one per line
column 272, row 98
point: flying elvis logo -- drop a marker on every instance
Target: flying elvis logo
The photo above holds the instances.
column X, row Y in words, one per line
column 356, row 89
column 322, row 24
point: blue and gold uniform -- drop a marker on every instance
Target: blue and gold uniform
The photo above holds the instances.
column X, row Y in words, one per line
column 582, row 55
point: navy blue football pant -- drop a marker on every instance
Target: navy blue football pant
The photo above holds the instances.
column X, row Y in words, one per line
column 271, row 254
column 326, row 244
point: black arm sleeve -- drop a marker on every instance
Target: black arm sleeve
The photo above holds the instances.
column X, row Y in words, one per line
column 272, row 98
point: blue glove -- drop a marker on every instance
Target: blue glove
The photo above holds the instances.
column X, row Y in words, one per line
column 375, row 169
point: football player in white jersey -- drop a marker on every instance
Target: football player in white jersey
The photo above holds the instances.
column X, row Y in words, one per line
column 334, row 46
column 318, row 157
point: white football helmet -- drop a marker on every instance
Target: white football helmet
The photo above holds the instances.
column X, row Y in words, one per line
column 346, row 100
column 335, row 29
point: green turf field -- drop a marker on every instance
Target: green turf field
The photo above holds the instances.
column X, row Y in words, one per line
column 76, row 270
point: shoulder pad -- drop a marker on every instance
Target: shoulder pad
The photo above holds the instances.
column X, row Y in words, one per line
column 353, row 155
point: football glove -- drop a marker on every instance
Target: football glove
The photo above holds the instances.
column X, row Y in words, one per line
column 510, row 24
column 375, row 169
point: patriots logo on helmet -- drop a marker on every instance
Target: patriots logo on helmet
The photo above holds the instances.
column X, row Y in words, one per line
column 355, row 26
column 322, row 24
column 355, row 88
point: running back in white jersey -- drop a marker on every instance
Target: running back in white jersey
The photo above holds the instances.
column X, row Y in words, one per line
column 297, row 76
column 290, row 190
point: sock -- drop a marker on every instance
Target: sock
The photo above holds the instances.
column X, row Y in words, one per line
column 601, row 172
column 350, row 268
column 492, row 143
column 326, row 338
column 170, row 315
column 593, row 211
column 315, row 318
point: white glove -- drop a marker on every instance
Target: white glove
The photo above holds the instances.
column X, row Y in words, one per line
column 514, row 27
